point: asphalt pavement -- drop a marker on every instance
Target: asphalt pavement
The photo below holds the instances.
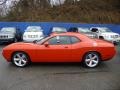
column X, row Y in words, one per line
column 60, row 76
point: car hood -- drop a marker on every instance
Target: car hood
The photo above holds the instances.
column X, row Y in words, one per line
column 18, row 45
column 21, row 43
column 110, row 33
column 33, row 33
column 89, row 33
column 4, row 33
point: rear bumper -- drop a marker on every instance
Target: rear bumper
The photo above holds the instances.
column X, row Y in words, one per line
column 108, row 54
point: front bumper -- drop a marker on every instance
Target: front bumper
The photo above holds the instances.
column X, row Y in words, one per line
column 113, row 40
column 6, row 40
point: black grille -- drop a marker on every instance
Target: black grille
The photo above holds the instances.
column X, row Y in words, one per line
column 3, row 37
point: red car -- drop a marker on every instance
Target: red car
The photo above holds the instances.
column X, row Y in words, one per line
column 63, row 47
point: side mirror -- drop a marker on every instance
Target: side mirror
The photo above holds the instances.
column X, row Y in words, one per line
column 46, row 44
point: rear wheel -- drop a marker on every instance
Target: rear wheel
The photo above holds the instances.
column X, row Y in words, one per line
column 20, row 59
column 91, row 59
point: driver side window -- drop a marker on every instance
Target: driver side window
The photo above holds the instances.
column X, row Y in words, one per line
column 59, row 40
column 53, row 41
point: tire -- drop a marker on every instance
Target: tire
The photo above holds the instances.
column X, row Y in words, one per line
column 91, row 59
column 20, row 59
column 116, row 43
column 101, row 37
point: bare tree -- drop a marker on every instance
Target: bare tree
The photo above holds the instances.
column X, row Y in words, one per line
column 60, row 2
column 3, row 7
column 2, row 2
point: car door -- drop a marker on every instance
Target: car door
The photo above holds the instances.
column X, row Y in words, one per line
column 57, row 50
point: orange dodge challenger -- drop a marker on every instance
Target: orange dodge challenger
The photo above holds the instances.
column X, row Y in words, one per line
column 62, row 47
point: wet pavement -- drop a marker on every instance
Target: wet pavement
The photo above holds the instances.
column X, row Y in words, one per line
column 60, row 76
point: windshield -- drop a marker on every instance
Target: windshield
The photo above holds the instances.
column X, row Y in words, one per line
column 83, row 30
column 59, row 29
column 11, row 30
column 105, row 30
column 33, row 29
column 42, row 40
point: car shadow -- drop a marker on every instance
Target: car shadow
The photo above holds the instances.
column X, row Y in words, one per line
column 4, row 44
column 70, row 68
column 60, row 68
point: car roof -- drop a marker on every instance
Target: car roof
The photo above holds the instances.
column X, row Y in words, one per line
column 79, row 35
column 69, row 34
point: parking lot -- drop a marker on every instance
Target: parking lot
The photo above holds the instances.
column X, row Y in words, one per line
column 60, row 76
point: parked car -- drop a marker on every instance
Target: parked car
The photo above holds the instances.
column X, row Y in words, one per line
column 9, row 35
column 33, row 33
column 106, row 34
column 87, row 32
column 84, row 31
column 59, row 30
column 62, row 47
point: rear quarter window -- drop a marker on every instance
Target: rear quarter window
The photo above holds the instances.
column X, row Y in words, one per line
column 75, row 40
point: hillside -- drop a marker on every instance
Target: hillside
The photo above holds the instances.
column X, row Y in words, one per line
column 85, row 11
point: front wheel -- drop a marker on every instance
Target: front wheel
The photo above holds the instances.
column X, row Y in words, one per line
column 20, row 59
column 91, row 59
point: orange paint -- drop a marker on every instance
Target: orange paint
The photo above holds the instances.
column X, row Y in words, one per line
column 62, row 53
